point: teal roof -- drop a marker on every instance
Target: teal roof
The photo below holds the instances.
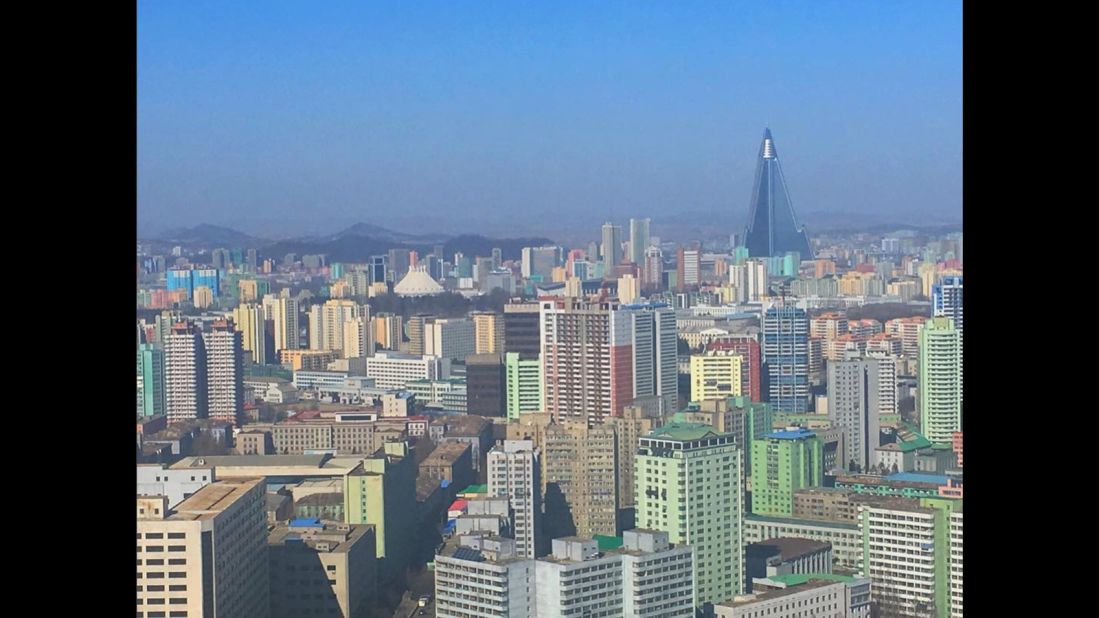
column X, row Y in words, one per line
column 799, row 579
column 684, row 431
column 608, row 542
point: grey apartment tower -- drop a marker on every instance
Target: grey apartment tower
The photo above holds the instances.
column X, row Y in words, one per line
column 773, row 228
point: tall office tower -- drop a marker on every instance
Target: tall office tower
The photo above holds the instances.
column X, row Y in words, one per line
column 539, row 262
column 388, row 330
column 786, row 358
column 251, row 321
column 652, row 273
column 513, row 471
column 639, row 240
column 489, row 330
column 688, row 268
column 224, row 371
column 784, row 461
column 449, row 338
column 940, row 380
column 203, row 297
column 207, row 556
column 400, row 260
column 636, row 421
column 587, row 360
column 688, row 485
column 523, row 384
column 252, row 260
column 906, row 552
column 750, row 363
column 854, row 402
column 378, row 267
column 185, row 392
column 772, row 226
column 417, row 331
column 522, row 328
column 715, row 375
column 612, row 247
column 150, row 373
column 485, row 388
column 581, row 468
column 497, row 257
column 283, row 314
column 947, row 300
column 326, row 325
column 651, row 330
column 358, row 339
column 220, row 258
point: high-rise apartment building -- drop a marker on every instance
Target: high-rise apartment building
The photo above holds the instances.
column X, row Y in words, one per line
column 388, row 330
column 611, row 247
column 828, row 325
column 395, row 370
column 224, row 371
column 150, row 375
column 908, row 331
column 855, row 402
column 636, row 421
column 715, row 375
column 514, row 471
column 907, row 554
column 783, row 462
column 523, row 384
column 688, row 485
column 251, row 321
column 539, row 262
column 488, row 329
column 786, row 358
column 479, row 576
column 185, row 392
column 688, row 268
column 581, row 478
column 207, row 556
column 327, row 327
column 946, row 299
column 652, row 269
column 940, row 380
column 639, row 240
column 283, row 312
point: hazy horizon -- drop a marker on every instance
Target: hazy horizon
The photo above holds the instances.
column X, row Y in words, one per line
column 505, row 120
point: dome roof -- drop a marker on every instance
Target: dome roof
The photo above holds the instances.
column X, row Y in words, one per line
column 417, row 283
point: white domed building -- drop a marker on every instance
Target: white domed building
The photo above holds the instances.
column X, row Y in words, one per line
column 418, row 283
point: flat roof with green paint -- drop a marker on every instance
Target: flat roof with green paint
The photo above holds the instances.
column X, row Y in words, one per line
column 684, row 431
column 799, row 579
column 475, row 489
column 607, row 542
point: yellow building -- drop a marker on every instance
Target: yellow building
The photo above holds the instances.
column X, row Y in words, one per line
column 715, row 375
column 307, row 360
column 204, row 297
column 488, row 331
column 249, row 290
column 629, row 288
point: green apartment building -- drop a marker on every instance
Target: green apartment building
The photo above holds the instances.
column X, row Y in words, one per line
column 523, row 378
column 940, row 380
column 150, row 371
column 382, row 491
column 688, row 485
column 783, row 462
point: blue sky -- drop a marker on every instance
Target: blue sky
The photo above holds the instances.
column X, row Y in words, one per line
column 282, row 117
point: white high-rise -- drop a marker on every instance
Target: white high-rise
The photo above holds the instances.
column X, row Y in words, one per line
column 326, row 325
column 450, row 338
column 513, row 471
column 185, row 374
column 224, row 372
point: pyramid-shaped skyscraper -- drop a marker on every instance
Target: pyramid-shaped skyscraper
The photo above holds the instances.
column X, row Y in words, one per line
column 772, row 227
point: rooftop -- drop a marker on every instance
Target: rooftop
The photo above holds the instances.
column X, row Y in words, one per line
column 339, row 537
column 799, row 579
column 792, row 548
column 684, row 431
column 916, row 477
column 446, row 453
column 799, row 433
column 774, row 594
column 312, row 461
column 212, row 499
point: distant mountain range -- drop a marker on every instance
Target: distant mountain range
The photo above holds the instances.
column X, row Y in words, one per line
column 353, row 244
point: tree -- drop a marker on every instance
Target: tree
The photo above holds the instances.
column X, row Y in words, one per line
column 853, row 466
column 895, row 467
column 206, row 443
